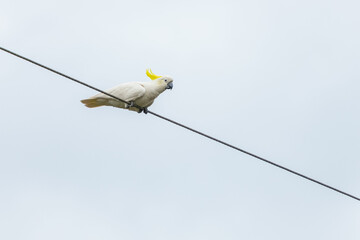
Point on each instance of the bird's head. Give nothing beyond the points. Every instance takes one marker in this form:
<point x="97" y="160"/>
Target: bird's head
<point x="165" y="81"/>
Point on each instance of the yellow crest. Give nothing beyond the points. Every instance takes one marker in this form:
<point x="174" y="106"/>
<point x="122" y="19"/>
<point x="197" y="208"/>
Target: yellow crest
<point x="151" y="75"/>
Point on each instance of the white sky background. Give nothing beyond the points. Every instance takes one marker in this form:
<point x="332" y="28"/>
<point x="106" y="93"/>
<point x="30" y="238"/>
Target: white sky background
<point x="277" y="78"/>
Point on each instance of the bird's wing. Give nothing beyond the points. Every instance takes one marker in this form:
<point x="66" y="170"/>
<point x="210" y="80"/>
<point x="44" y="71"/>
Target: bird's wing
<point x="128" y="91"/>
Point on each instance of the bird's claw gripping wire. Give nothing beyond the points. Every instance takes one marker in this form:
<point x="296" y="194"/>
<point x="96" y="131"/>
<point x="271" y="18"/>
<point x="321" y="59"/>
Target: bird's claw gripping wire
<point x="144" y="109"/>
<point x="131" y="104"/>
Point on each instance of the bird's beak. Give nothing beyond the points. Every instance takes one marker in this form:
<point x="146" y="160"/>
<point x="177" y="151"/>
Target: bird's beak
<point x="169" y="85"/>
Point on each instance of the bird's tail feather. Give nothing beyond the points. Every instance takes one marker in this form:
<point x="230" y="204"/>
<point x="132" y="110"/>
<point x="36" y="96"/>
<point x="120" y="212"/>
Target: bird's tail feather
<point x="92" y="103"/>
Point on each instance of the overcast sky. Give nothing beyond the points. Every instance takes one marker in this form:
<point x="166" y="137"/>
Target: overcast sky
<point x="277" y="78"/>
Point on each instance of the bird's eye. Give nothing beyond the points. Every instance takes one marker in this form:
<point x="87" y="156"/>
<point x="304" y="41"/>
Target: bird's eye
<point x="165" y="80"/>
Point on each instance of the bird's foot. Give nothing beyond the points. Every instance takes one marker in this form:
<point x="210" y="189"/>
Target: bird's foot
<point x="129" y="105"/>
<point x="145" y="110"/>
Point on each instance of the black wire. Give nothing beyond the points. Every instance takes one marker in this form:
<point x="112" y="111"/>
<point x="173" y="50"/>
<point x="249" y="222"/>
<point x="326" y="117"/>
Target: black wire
<point x="188" y="128"/>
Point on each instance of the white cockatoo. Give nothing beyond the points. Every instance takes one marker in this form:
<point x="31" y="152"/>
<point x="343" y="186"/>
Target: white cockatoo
<point x="140" y="94"/>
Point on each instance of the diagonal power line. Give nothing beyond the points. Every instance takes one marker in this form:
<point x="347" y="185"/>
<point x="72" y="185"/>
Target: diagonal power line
<point x="188" y="128"/>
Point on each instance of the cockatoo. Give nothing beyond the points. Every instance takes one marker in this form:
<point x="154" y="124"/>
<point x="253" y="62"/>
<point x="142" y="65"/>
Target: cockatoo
<point x="140" y="94"/>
